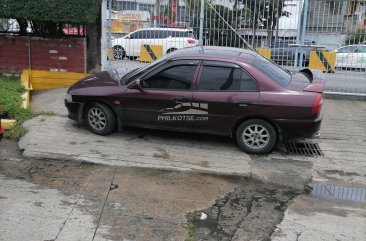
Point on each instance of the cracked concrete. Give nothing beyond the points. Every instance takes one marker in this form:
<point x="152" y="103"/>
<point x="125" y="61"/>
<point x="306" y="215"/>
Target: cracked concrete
<point x="151" y="205"/>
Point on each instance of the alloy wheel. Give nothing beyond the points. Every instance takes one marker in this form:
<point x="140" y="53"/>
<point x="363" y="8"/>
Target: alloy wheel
<point x="256" y="136"/>
<point x="97" y="118"/>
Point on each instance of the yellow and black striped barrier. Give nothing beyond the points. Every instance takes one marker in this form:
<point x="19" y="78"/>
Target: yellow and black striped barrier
<point x="322" y="60"/>
<point x="149" y="53"/>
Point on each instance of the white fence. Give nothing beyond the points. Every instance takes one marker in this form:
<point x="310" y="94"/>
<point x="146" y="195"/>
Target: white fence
<point x="289" y="29"/>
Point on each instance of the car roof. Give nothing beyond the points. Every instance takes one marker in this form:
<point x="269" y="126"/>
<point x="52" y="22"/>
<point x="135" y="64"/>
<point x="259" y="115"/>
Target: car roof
<point x="218" y="53"/>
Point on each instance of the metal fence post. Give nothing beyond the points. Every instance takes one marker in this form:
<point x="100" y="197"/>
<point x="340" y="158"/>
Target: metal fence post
<point x="109" y="42"/>
<point x="298" y="40"/>
<point x="303" y="30"/>
<point x="202" y="18"/>
<point x="103" y="38"/>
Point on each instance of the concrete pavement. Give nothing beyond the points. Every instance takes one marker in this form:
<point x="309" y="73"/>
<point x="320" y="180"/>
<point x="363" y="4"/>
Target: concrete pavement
<point x="309" y="217"/>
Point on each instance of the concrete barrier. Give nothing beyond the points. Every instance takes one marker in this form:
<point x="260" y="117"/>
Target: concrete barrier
<point x="149" y="53"/>
<point x="265" y="53"/>
<point x="324" y="61"/>
<point x="44" y="80"/>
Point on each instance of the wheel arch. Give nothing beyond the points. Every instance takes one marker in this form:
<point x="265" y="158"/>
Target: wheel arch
<point x="108" y="104"/>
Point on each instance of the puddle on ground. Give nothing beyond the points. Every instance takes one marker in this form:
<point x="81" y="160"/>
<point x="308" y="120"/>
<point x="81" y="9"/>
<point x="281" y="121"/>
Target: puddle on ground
<point x="329" y="191"/>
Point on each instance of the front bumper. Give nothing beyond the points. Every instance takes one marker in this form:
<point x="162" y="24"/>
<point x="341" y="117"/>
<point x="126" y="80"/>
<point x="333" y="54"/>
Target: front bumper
<point x="74" y="109"/>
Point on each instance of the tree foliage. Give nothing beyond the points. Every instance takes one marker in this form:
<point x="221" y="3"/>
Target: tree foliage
<point x="356" y="37"/>
<point x="254" y="14"/>
<point x="67" y="11"/>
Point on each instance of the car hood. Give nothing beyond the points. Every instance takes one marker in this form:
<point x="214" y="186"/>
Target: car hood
<point x="104" y="78"/>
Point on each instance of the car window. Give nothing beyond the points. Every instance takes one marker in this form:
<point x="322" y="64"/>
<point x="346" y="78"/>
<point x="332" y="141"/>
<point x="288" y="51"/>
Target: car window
<point x="134" y="35"/>
<point x="347" y="49"/>
<point x="178" y="77"/>
<point x="361" y="49"/>
<point x="144" y="34"/>
<point x="273" y="71"/>
<point x="136" y="73"/>
<point x="181" y="34"/>
<point x="214" y="78"/>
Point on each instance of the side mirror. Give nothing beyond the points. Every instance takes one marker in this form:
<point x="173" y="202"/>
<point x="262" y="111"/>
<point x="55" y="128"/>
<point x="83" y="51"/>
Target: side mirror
<point x="135" y="85"/>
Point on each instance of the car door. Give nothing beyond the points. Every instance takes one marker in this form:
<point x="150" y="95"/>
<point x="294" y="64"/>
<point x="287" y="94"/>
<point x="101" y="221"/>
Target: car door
<point x="357" y="59"/>
<point x="165" y="95"/>
<point x="343" y="59"/>
<point x="227" y="93"/>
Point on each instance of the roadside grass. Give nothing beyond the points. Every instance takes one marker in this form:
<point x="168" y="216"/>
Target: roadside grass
<point x="11" y="92"/>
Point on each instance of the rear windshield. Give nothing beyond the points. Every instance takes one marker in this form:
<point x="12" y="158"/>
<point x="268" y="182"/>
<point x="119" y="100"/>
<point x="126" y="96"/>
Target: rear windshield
<point x="273" y="71"/>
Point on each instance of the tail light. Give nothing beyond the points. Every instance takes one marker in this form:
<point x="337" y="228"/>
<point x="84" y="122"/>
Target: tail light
<point x="191" y="41"/>
<point x="317" y="105"/>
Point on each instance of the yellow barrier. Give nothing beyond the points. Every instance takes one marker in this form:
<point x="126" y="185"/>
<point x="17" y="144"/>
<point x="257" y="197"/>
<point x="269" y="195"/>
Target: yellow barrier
<point x="25" y="81"/>
<point x="265" y="53"/>
<point x="324" y="61"/>
<point x="7" y="124"/>
<point x="109" y="53"/>
<point x="148" y="53"/>
<point x="44" y="80"/>
<point x="41" y="80"/>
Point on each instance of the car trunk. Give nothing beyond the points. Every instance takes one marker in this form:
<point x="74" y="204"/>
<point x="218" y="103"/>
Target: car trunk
<point x="307" y="80"/>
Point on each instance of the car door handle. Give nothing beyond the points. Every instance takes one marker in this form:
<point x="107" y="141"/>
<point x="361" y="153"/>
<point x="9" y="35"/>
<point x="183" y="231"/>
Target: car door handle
<point x="244" y="102"/>
<point x="180" y="98"/>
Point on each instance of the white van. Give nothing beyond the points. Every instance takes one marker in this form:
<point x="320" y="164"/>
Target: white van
<point x="170" y="38"/>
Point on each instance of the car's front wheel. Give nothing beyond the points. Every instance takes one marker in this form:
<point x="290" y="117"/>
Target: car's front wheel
<point x="256" y="136"/>
<point x="100" y="118"/>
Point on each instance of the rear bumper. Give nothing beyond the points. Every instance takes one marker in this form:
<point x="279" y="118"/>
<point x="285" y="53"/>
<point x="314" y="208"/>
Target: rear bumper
<point x="294" y="129"/>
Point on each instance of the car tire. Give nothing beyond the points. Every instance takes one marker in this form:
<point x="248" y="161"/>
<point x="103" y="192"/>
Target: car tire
<point x="100" y="119"/>
<point x="118" y="52"/>
<point x="256" y="136"/>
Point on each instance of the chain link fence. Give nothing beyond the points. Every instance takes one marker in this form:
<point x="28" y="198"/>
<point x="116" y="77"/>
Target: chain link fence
<point x="325" y="35"/>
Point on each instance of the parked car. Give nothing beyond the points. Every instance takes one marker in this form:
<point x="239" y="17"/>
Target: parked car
<point x="169" y="38"/>
<point x="284" y="52"/>
<point x="351" y="56"/>
<point x="215" y="90"/>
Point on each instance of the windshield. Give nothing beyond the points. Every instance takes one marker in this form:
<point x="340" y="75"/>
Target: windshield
<point x="273" y="71"/>
<point x="135" y="73"/>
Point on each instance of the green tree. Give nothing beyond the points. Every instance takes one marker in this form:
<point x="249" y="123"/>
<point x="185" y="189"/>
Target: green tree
<point x="356" y="37"/>
<point x="264" y="12"/>
<point x="254" y="13"/>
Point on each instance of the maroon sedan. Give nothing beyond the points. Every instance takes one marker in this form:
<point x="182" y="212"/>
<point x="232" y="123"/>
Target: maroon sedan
<point x="221" y="91"/>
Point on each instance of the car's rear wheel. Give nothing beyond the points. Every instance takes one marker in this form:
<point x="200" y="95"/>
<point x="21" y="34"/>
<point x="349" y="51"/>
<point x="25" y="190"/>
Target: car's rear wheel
<point x="256" y="136"/>
<point x="118" y="52"/>
<point x="100" y="118"/>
